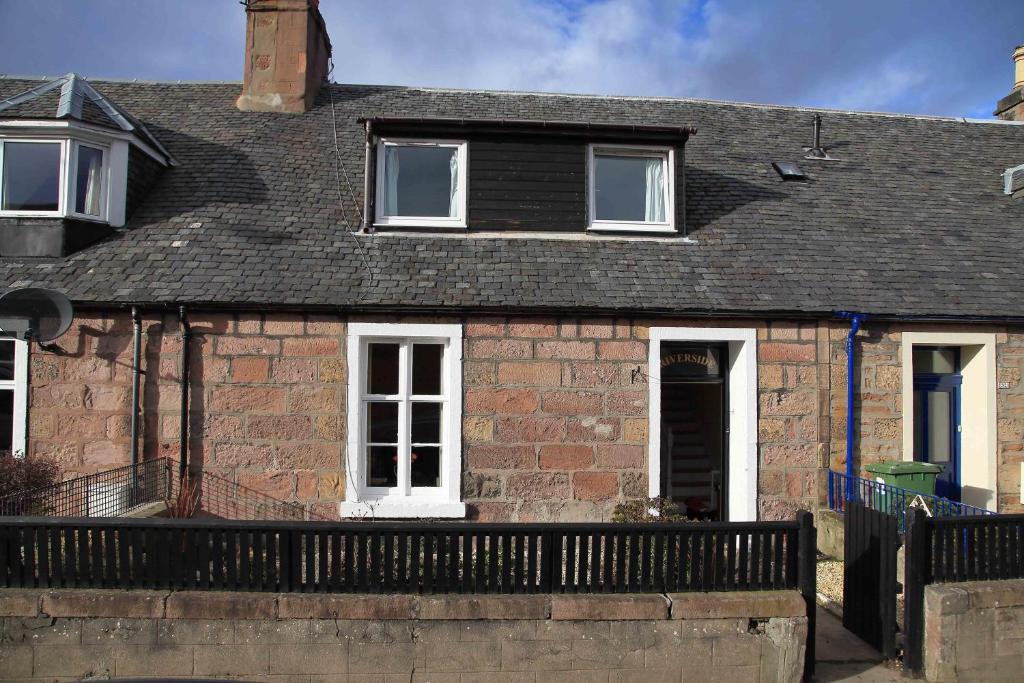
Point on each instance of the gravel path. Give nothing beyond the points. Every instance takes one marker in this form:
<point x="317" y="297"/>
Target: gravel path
<point x="830" y="579"/>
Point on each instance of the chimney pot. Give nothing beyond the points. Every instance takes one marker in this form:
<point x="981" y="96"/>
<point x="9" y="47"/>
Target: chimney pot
<point x="1018" y="61"/>
<point x="286" y="55"/>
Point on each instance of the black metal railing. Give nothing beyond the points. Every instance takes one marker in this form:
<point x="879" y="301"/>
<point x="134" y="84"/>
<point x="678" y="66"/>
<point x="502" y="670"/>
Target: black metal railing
<point x="952" y="550"/>
<point x="375" y="557"/>
<point x="111" y="493"/>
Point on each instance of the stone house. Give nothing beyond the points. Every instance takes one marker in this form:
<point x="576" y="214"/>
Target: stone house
<point x="414" y="302"/>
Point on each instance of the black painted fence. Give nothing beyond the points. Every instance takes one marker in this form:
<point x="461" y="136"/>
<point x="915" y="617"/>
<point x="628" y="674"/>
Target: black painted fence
<point x="953" y="550"/>
<point x="378" y="557"/>
<point x="870" y="542"/>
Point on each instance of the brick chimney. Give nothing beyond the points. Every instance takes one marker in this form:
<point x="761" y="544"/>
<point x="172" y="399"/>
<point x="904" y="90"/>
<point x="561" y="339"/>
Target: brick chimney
<point x="1011" y="107"/>
<point x="286" y="55"/>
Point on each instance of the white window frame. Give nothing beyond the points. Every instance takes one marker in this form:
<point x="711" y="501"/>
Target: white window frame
<point x="72" y="180"/>
<point x="67" y="179"/>
<point x="404" y="501"/>
<point x="18" y="385"/>
<point x="458" y="221"/>
<point x="667" y="153"/>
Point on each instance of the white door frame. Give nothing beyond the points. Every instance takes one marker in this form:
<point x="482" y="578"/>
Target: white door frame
<point x="979" y="476"/>
<point x="742" y="386"/>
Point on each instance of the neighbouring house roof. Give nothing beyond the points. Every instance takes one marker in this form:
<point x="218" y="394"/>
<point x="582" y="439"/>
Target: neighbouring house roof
<point x="911" y="220"/>
<point x="72" y="97"/>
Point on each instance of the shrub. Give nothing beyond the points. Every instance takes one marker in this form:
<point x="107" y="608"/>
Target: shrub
<point x="650" y="510"/>
<point x="20" y="475"/>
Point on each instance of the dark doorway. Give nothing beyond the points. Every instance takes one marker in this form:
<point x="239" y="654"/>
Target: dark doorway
<point x="694" y="428"/>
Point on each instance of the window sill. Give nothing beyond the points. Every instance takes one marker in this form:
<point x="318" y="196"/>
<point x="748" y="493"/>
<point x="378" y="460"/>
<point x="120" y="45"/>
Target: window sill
<point x="402" y="509"/>
<point x="630" y="227"/>
<point x="419" y="223"/>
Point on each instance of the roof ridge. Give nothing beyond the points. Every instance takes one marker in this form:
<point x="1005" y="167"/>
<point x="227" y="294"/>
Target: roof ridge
<point x="538" y="93"/>
<point x="699" y="100"/>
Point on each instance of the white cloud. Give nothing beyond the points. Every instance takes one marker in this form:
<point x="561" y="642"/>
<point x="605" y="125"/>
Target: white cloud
<point x="930" y="56"/>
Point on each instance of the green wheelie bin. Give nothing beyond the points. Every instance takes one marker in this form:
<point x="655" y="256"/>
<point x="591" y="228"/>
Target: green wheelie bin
<point x="910" y="475"/>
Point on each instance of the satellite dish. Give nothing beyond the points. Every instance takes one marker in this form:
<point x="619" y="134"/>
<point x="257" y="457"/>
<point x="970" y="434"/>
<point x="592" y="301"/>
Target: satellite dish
<point x="39" y="314"/>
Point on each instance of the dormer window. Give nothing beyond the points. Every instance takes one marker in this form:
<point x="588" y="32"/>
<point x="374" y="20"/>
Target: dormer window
<point x="631" y="188"/>
<point x="421" y="183"/>
<point x="53" y="178"/>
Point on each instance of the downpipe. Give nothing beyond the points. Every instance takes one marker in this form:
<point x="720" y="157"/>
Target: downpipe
<point x="186" y="337"/>
<point x="136" y="372"/>
<point x="856" y="319"/>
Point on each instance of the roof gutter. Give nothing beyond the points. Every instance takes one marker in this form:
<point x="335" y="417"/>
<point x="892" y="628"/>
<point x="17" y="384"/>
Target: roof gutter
<point x="536" y="126"/>
<point x="244" y="306"/>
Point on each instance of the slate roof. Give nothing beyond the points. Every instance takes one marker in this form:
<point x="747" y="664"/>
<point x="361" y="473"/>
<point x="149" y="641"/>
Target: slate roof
<point x="912" y="220"/>
<point x="72" y="97"/>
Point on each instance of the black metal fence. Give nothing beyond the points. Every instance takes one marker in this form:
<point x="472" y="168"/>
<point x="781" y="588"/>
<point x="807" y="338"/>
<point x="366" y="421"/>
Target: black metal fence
<point x="111" y="493"/>
<point x="376" y="557"/>
<point x="950" y="550"/>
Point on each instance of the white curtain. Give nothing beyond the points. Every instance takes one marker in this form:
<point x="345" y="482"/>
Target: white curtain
<point x="453" y="167"/>
<point x="93" y="181"/>
<point x="654" y="199"/>
<point x="391" y="181"/>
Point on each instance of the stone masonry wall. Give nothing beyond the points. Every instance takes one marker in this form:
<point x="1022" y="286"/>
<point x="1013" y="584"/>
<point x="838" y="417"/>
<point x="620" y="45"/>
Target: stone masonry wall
<point x="974" y="631"/>
<point x="555" y="409"/>
<point x="555" y="420"/>
<point x="1010" y="418"/>
<point x="878" y="399"/>
<point x="267" y="399"/>
<point x="69" y="634"/>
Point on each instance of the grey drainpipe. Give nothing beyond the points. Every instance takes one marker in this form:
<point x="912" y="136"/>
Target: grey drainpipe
<point x="136" y="371"/>
<point x="186" y="336"/>
<point x="367" y="178"/>
<point x="855" y="322"/>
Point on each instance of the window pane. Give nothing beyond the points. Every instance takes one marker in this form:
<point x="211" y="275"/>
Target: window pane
<point x="382" y="422"/>
<point x="6" y="360"/>
<point x="426" y="466"/>
<point x="629" y="188"/>
<point x="382" y="369"/>
<point x="6" y="420"/>
<point x="88" y="180"/>
<point x="420" y="181"/>
<point x="426" y="423"/>
<point x="938" y="426"/>
<point x="426" y="369"/>
<point x="31" y="176"/>
<point x="935" y="361"/>
<point x="383" y="465"/>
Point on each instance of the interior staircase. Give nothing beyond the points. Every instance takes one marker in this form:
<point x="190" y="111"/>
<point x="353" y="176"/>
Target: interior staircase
<point x="690" y="458"/>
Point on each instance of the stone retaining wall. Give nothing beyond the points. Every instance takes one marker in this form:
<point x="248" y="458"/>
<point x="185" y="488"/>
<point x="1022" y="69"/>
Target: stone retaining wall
<point x="974" y="631"/>
<point x="70" y="634"/>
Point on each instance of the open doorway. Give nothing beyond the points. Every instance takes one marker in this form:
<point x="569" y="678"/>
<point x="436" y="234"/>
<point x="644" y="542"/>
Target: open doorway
<point x="694" y="428"/>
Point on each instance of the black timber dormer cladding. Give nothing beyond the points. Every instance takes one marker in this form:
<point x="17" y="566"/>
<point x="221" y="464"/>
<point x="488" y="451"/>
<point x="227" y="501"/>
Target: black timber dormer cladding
<point x="523" y="175"/>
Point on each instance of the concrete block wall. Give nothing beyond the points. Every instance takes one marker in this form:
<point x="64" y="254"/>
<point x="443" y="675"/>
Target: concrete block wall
<point x="974" y="631"/>
<point x="72" y="634"/>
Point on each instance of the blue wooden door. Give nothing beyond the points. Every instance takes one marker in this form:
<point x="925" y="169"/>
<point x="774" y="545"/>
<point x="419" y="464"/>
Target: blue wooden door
<point x="937" y="429"/>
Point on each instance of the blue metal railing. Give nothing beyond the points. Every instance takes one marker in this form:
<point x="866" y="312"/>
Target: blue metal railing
<point x="891" y="500"/>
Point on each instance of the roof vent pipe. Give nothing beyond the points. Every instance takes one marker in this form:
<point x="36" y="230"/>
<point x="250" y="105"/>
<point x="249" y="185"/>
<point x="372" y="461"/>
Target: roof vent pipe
<point x="816" y="151"/>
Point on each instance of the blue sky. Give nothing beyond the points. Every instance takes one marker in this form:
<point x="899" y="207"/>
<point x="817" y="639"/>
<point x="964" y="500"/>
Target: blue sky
<point x="949" y="57"/>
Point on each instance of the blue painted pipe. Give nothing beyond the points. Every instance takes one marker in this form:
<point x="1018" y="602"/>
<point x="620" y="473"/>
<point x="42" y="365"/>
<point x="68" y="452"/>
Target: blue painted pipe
<point x="855" y="321"/>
